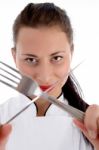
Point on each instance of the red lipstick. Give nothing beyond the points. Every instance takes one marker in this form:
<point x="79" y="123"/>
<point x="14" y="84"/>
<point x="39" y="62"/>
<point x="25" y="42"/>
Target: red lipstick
<point x="44" y="87"/>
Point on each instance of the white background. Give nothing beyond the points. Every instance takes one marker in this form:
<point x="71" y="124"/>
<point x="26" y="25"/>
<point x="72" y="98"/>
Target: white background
<point x="84" y="15"/>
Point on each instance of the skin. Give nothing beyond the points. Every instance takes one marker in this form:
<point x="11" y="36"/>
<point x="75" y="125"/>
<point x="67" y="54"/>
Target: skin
<point x="45" y="55"/>
<point x="90" y="127"/>
<point x="5" y="131"/>
<point x="40" y="55"/>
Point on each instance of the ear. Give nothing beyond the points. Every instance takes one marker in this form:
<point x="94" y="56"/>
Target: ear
<point x="13" y="50"/>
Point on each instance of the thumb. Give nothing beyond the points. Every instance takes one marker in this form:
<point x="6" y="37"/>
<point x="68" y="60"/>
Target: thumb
<point x="5" y="131"/>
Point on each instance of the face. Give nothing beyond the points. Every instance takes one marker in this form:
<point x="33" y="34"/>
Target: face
<point x="44" y="54"/>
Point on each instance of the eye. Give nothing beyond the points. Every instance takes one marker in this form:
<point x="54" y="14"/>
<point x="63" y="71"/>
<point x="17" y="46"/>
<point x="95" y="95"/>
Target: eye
<point x="57" y="58"/>
<point x="31" y="60"/>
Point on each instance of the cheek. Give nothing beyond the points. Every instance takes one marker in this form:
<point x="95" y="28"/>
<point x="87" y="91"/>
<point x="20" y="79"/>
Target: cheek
<point x="63" y="73"/>
<point x="64" y="70"/>
<point x="23" y="69"/>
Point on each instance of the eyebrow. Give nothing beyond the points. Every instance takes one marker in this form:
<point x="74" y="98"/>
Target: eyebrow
<point x="58" y="52"/>
<point x="32" y="55"/>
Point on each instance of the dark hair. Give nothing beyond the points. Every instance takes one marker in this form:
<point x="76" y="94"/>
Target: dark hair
<point x="47" y="14"/>
<point x="73" y="93"/>
<point x="43" y="14"/>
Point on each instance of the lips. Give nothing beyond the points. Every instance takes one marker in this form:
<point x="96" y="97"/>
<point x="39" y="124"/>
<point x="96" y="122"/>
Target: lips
<point x="44" y="87"/>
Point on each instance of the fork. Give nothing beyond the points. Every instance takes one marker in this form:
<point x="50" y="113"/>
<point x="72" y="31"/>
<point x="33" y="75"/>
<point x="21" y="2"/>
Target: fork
<point x="30" y="88"/>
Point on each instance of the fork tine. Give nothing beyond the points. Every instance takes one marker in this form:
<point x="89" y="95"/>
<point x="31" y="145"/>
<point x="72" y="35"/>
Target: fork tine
<point x="8" y="78"/>
<point x="9" y="73"/>
<point x="9" y="67"/>
<point x="13" y="87"/>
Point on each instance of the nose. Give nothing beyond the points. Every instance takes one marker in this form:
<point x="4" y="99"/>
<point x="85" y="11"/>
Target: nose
<point x="45" y="73"/>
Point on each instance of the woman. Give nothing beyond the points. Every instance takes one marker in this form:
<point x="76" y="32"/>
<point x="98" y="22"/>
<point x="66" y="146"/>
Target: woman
<point x="43" y="50"/>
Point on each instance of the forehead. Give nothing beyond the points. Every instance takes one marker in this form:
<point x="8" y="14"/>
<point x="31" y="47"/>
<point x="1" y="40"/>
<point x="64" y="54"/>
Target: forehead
<point x="42" y="38"/>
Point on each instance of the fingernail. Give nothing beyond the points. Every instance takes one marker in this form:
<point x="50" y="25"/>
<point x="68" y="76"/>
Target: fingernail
<point x="92" y="134"/>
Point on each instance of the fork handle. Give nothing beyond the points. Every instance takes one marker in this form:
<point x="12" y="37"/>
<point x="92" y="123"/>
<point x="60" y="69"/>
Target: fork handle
<point x="73" y="111"/>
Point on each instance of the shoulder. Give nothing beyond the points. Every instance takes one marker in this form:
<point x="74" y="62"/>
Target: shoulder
<point x="12" y="106"/>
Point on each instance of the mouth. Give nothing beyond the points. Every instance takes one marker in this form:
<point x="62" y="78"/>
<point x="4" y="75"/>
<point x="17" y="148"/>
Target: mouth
<point x="44" y="87"/>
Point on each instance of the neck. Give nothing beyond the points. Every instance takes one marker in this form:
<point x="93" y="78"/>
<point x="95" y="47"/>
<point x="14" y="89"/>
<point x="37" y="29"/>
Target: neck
<point x="42" y="106"/>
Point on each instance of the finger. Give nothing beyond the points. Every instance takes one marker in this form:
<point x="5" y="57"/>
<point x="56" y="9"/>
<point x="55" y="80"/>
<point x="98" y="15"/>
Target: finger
<point x="5" y="131"/>
<point x="79" y="125"/>
<point x="91" y="119"/>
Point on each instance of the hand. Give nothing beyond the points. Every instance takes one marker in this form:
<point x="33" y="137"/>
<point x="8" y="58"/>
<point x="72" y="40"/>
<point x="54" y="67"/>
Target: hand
<point x="90" y="127"/>
<point x="5" y="131"/>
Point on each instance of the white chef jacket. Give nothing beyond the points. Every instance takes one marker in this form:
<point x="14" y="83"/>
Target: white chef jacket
<point x="54" y="131"/>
